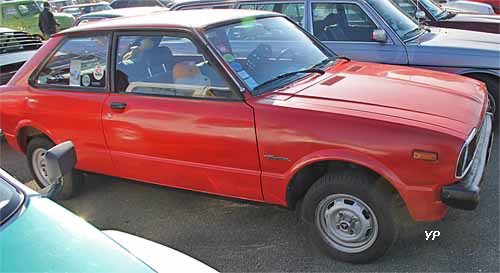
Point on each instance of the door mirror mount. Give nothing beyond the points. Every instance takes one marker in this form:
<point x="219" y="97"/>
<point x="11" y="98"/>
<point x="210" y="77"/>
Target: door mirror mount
<point x="420" y="15"/>
<point x="379" y="35"/>
<point x="60" y="160"/>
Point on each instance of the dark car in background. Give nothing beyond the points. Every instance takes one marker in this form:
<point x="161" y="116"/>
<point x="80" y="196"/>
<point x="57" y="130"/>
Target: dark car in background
<point x="79" y="10"/>
<point x="16" y="47"/>
<point x="430" y="13"/>
<point x="114" y="13"/>
<point x="119" y="4"/>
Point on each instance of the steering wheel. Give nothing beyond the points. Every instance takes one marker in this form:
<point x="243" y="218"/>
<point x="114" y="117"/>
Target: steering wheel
<point x="260" y="54"/>
<point x="286" y="52"/>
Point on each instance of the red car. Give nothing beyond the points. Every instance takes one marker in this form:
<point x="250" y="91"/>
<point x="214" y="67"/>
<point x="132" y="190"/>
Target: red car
<point x="246" y="104"/>
<point x="494" y="3"/>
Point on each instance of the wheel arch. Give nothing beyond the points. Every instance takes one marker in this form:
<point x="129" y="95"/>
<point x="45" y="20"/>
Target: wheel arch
<point x="305" y="173"/>
<point x="27" y="130"/>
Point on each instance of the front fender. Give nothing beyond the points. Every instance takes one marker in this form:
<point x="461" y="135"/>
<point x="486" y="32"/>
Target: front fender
<point x="422" y="202"/>
<point x="30" y="123"/>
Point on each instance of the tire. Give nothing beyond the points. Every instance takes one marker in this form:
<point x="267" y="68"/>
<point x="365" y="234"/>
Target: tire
<point x="72" y="182"/>
<point x="354" y="201"/>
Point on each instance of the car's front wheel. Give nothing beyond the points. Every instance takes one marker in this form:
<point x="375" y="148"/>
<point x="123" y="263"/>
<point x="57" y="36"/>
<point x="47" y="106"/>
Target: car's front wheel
<point x="351" y="217"/>
<point x="35" y="153"/>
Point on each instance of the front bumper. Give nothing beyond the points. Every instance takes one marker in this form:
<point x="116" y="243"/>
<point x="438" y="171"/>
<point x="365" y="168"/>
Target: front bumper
<point x="465" y="194"/>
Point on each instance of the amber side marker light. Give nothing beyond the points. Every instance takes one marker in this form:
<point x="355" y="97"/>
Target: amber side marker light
<point x="424" y="155"/>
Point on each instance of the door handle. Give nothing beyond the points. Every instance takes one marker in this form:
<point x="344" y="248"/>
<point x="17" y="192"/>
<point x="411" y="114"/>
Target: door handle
<point x="117" y="105"/>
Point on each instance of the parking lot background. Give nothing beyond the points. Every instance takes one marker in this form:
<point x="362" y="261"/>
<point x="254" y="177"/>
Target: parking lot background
<point x="236" y="236"/>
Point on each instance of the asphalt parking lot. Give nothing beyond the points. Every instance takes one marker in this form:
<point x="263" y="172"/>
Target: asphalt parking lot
<point x="241" y="237"/>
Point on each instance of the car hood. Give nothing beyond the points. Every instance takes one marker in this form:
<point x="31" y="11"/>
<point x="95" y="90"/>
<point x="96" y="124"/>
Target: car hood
<point x="475" y="18"/>
<point x="159" y="257"/>
<point x="16" y="57"/>
<point x="52" y="239"/>
<point x="439" y="99"/>
<point x="455" y="48"/>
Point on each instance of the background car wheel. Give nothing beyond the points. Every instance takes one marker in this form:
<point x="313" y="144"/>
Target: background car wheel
<point x="351" y="217"/>
<point x="35" y="153"/>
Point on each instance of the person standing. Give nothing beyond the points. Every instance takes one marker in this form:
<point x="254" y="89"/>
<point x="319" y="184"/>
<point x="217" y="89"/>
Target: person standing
<point x="46" y="22"/>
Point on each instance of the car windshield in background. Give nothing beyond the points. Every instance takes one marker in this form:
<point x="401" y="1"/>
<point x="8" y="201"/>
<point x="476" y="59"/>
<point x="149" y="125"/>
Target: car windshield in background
<point x="262" y="51"/>
<point x="405" y="27"/>
<point x="77" y="11"/>
<point x="436" y="11"/>
<point x="10" y="200"/>
<point x="30" y="8"/>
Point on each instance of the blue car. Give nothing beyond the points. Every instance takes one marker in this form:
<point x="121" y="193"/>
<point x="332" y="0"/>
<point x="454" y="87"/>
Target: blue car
<point x="37" y="235"/>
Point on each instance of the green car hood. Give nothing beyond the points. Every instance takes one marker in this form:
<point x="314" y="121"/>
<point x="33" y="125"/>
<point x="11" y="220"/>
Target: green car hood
<point x="45" y="237"/>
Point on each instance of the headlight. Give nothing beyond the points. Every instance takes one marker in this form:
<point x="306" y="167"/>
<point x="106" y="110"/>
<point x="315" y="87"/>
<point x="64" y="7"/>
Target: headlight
<point x="467" y="154"/>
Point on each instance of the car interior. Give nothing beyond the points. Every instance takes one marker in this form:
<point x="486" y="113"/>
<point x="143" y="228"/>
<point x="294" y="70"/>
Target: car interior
<point x="342" y="22"/>
<point x="167" y="66"/>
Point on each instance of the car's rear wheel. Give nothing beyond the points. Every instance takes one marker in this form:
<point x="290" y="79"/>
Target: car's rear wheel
<point x="350" y="217"/>
<point x="35" y="153"/>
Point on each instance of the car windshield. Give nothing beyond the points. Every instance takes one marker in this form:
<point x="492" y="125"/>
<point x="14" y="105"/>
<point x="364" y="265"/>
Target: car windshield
<point x="434" y="9"/>
<point x="268" y="53"/>
<point x="10" y="200"/>
<point x="404" y="26"/>
<point x="30" y="8"/>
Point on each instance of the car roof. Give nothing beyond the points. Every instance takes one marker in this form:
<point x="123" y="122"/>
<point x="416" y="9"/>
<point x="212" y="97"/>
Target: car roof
<point x="220" y="2"/>
<point x="123" y="12"/>
<point x="172" y="19"/>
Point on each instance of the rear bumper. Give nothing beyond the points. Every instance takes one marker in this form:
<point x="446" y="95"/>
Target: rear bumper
<point x="465" y="194"/>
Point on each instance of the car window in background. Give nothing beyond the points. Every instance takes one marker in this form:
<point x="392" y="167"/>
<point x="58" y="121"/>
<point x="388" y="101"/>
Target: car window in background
<point x="29" y="9"/>
<point x="408" y="6"/>
<point x="434" y="9"/>
<point x="79" y="62"/>
<point x="167" y="66"/>
<point x="341" y="22"/>
<point x="119" y="4"/>
<point x="404" y="26"/>
<point x="256" y="56"/>
<point x="10" y="200"/>
<point x="9" y="12"/>
<point x="143" y="3"/>
<point x="293" y="10"/>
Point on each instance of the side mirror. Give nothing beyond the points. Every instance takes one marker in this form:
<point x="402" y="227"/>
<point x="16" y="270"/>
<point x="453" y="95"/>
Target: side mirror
<point x="420" y="15"/>
<point x="60" y="160"/>
<point x="379" y="35"/>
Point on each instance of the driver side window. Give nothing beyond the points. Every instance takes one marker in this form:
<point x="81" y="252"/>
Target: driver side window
<point x="162" y="65"/>
<point x="341" y="22"/>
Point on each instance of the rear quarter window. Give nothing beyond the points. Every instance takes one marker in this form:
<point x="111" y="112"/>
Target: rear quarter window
<point x="79" y="62"/>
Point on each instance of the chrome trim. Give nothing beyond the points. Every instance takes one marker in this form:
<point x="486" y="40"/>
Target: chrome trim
<point x="465" y="168"/>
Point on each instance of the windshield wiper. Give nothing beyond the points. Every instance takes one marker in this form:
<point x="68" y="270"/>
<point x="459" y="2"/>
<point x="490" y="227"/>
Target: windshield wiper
<point x="411" y="31"/>
<point x="288" y="74"/>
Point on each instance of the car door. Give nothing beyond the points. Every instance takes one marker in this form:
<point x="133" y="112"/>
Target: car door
<point x="66" y="97"/>
<point x="175" y="120"/>
<point x="346" y="27"/>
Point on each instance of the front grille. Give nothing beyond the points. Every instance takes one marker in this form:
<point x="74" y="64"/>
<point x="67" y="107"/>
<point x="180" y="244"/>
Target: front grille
<point x="18" y="41"/>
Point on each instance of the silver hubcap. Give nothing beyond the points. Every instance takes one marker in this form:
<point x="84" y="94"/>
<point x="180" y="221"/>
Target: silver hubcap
<point x="40" y="166"/>
<point x="347" y="223"/>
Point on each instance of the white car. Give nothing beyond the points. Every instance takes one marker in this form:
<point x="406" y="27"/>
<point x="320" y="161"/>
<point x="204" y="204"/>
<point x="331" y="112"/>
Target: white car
<point x="467" y="6"/>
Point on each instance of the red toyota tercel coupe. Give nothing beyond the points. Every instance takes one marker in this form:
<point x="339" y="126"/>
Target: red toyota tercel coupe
<point x="248" y="105"/>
